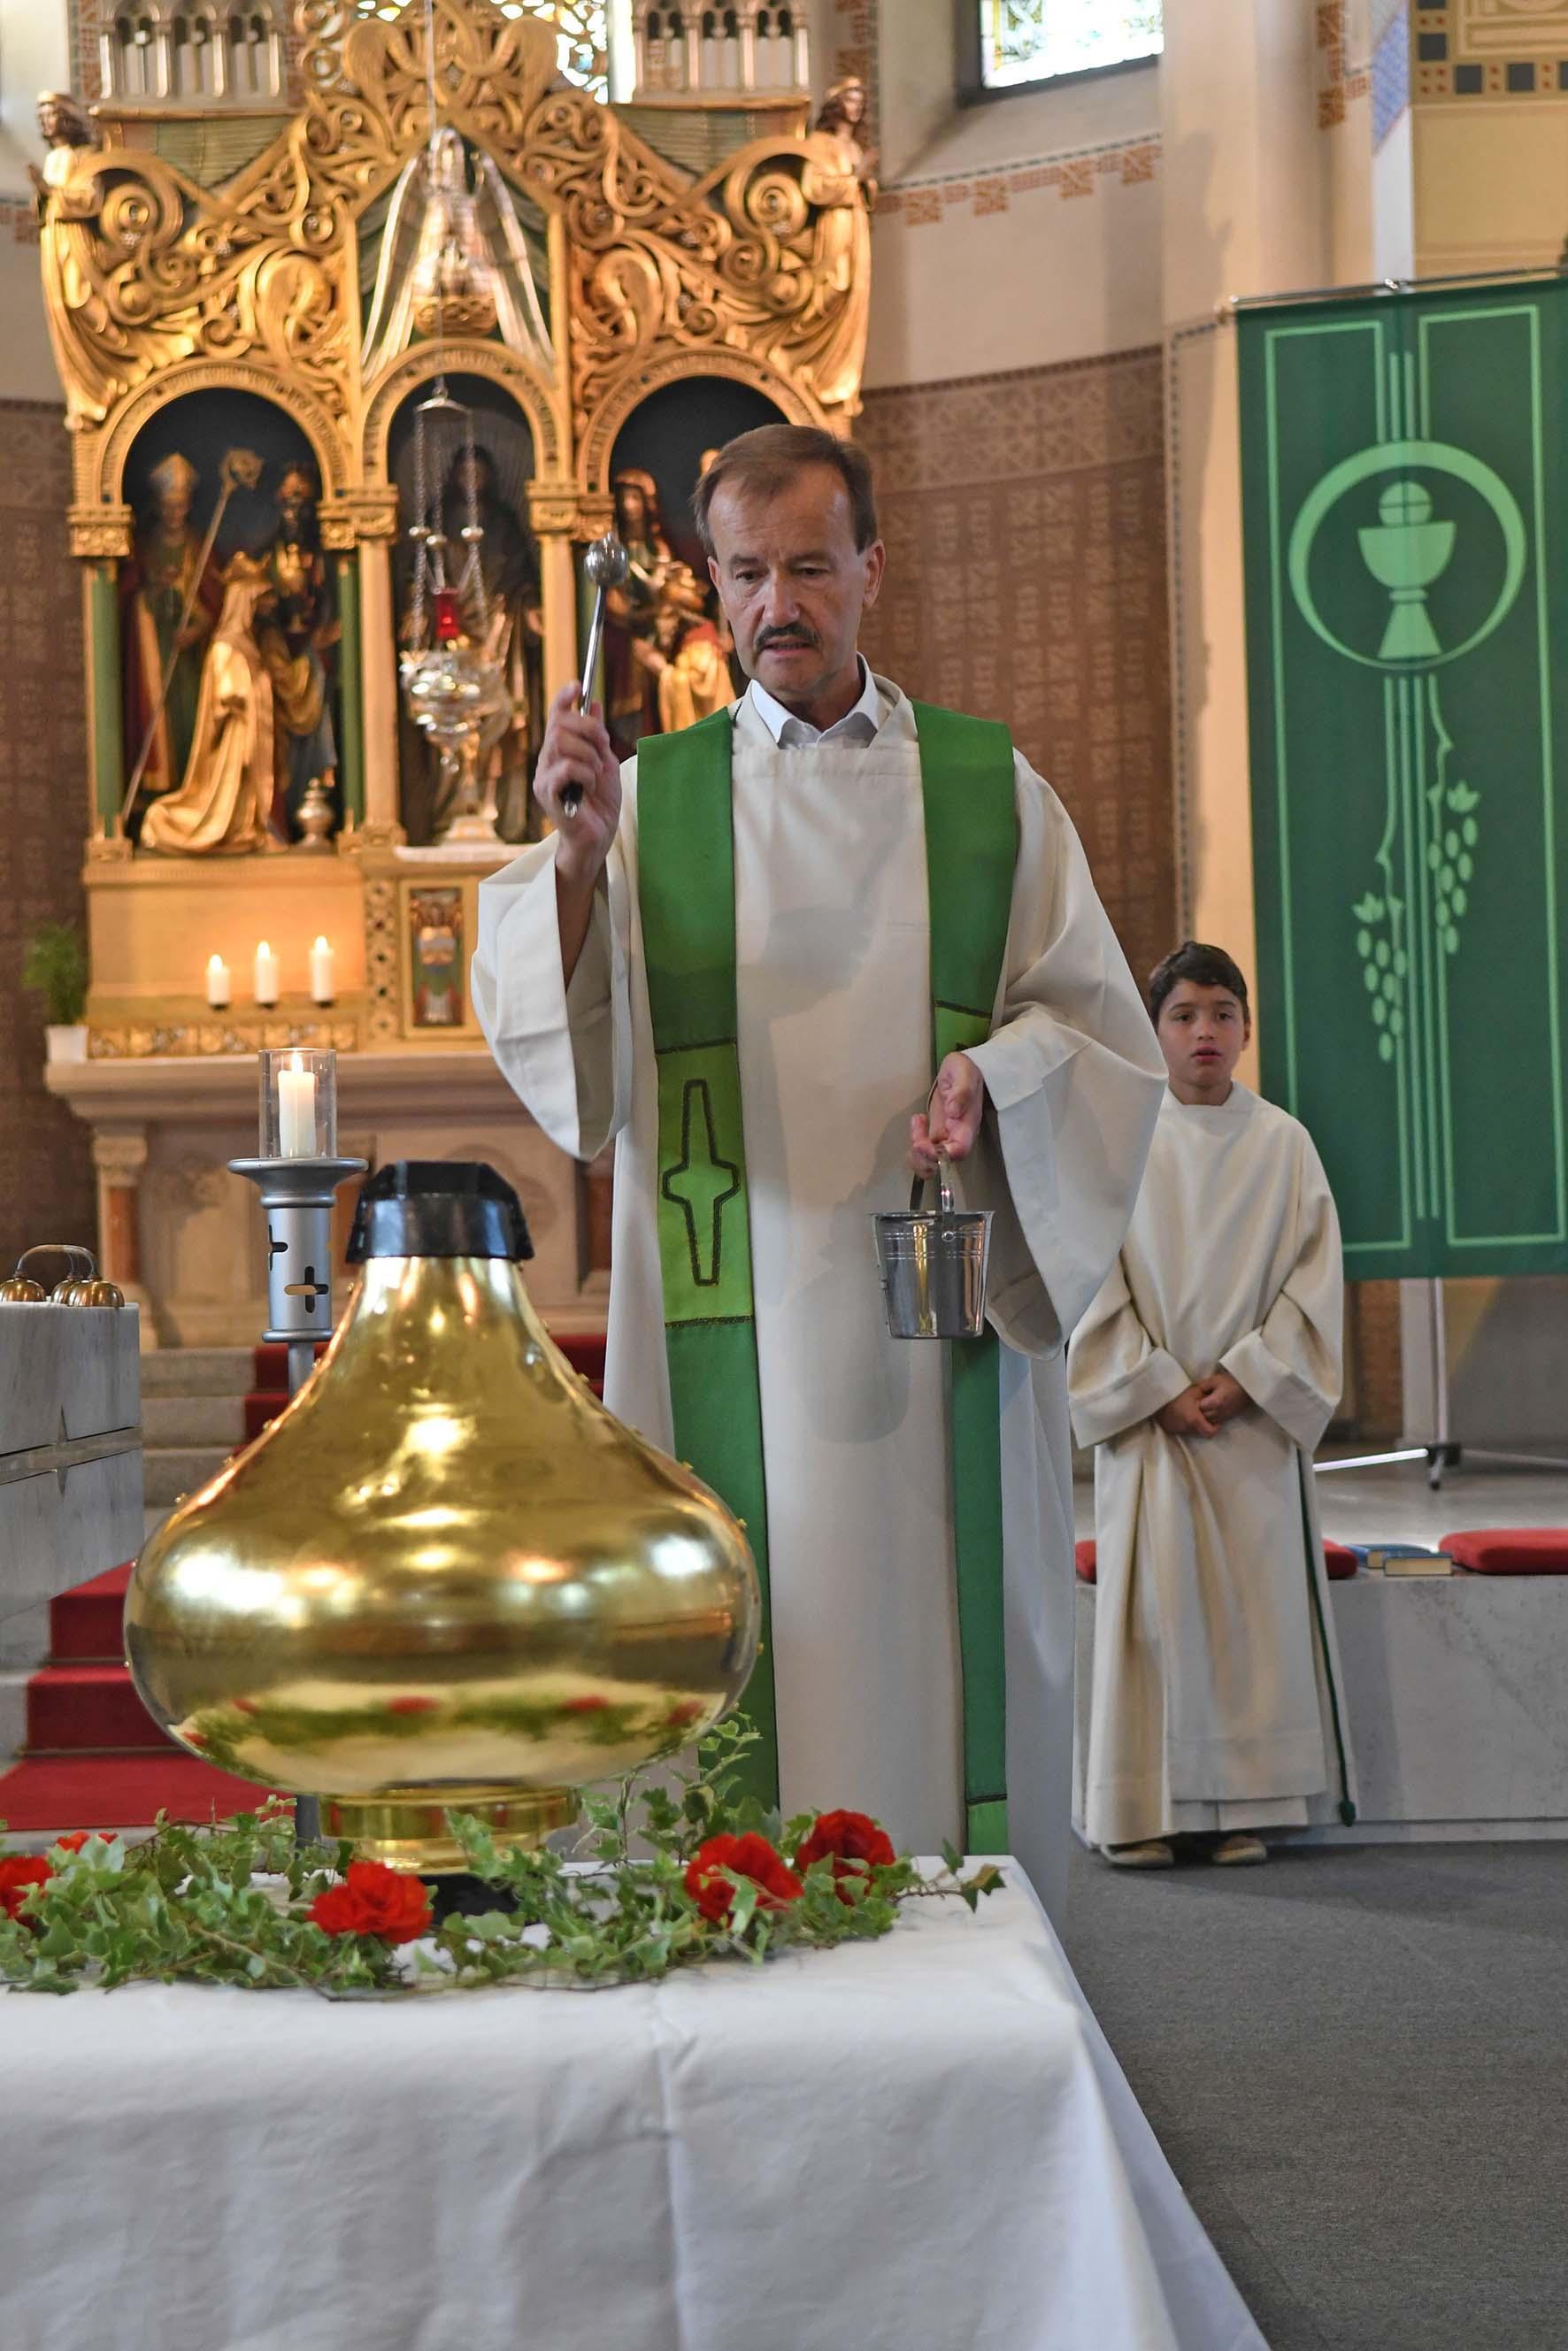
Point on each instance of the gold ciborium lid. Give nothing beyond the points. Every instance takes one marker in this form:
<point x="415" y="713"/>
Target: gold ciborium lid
<point x="445" y="1576"/>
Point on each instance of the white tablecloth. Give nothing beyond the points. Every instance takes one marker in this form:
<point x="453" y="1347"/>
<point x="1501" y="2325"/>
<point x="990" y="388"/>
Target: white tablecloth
<point x="919" y="2145"/>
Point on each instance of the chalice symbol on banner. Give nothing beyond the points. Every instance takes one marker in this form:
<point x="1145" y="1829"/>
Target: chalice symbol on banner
<point x="1406" y="551"/>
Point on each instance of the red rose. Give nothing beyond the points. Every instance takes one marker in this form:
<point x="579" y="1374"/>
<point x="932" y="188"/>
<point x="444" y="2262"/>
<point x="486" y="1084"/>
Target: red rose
<point x="845" y="1838"/>
<point x="684" y="1710"/>
<point x="748" y="1856"/>
<point x="589" y="1704"/>
<point x="18" y="1873"/>
<point x="78" y="1837"/>
<point x="375" y="1900"/>
<point x="410" y="1705"/>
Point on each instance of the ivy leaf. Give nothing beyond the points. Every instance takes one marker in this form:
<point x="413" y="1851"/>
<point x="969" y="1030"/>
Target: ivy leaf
<point x="1369" y="910"/>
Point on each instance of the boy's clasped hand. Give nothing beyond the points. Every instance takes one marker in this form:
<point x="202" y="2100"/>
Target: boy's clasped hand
<point x="1203" y="1409"/>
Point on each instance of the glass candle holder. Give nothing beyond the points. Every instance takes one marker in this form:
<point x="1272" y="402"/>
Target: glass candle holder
<point x="299" y="1104"/>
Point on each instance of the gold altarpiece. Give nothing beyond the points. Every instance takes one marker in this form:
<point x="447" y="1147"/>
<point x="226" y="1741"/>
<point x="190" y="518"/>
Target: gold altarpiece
<point x="165" y="285"/>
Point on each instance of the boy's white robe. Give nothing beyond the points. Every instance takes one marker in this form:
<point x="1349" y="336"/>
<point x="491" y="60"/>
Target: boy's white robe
<point x="1213" y="1635"/>
<point x="832" y="953"/>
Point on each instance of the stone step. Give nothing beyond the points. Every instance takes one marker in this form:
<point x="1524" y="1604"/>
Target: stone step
<point x="192" y="1420"/>
<point x="13" y="1712"/>
<point x="198" y="1371"/>
<point x="170" y="1472"/>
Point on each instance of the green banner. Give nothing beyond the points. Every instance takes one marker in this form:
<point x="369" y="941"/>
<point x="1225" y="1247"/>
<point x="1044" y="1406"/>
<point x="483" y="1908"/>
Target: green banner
<point x="1403" y="495"/>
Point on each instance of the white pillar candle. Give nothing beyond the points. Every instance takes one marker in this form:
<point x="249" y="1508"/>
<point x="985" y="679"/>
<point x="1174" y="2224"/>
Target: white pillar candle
<point x="297" y="1111"/>
<point x="218" y="983"/>
<point x="266" y="975"/>
<point x="322" y="986"/>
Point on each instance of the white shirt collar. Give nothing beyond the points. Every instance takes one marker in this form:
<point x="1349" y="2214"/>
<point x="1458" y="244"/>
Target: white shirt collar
<point x="792" y="734"/>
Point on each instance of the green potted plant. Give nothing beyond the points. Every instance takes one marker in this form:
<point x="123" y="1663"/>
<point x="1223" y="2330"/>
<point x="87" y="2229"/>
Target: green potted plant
<point x="54" y="966"/>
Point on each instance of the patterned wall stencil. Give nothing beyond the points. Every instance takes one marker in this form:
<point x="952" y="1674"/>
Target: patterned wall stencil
<point x="1489" y="48"/>
<point x="1024" y="522"/>
<point x="46" y="1189"/>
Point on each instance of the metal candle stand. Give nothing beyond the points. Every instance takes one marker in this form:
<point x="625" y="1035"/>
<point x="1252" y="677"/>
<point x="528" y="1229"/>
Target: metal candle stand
<point x="297" y="1194"/>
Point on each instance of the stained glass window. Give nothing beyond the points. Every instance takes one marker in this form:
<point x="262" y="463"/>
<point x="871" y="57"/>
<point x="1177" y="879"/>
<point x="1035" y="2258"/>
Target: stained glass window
<point x="582" y="28"/>
<point x="1032" y="40"/>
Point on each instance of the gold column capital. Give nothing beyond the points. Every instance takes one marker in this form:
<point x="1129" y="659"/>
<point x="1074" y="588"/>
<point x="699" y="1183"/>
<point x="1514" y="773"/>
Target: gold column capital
<point x="119" y="1154"/>
<point x="100" y="534"/>
<point x="356" y="516"/>
<point x="555" y="507"/>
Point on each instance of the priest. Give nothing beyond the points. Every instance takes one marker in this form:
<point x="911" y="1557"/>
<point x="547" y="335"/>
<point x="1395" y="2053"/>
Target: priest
<point x="1205" y="1373"/>
<point x="746" y="955"/>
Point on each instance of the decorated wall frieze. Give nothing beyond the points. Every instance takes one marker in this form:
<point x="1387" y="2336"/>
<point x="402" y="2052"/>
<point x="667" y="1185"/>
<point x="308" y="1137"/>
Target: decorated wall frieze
<point x="138" y="1040"/>
<point x="1077" y="171"/>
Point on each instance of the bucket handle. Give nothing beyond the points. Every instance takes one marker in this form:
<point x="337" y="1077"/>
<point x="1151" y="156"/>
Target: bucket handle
<point x="943" y="1172"/>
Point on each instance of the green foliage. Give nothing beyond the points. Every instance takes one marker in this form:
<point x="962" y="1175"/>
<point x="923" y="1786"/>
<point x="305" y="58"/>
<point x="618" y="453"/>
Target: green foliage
<point x="54" y="966"/>
<point x="229" y="1904"/>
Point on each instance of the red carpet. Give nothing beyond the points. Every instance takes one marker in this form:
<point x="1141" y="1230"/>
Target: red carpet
<point x="94" y="1758"/>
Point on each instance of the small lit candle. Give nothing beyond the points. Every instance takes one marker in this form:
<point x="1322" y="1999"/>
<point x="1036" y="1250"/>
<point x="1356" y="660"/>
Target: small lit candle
<point x="218" y="983"/>
<point x="266" y="975"/>
<point x="322" y="987"/>
<point x="297" y="1111"/>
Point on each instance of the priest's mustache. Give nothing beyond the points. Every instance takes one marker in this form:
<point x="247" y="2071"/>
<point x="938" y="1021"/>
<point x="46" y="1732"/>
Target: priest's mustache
<point x="785" y="637"/>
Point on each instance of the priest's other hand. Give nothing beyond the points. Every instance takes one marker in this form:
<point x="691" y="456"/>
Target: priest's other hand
<point x="1185" y="1416"/>
<point x="949" y="1124"/>
<point x="575" y="751"/>
<point x="1223" y="1397"/>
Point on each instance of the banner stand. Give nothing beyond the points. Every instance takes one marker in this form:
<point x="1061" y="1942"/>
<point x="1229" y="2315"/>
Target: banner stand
<point x="1445" y="1451"/>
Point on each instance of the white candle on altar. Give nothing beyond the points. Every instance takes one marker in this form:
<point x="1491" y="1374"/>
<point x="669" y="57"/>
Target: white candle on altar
<point x="322" y="986"/>
<point x="218" y="983"/>
<point x="266" y="975"/>
<point x="297" y="1111"/>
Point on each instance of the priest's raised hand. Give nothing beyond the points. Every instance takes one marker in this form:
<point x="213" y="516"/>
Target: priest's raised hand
<point x="575" y="751"/>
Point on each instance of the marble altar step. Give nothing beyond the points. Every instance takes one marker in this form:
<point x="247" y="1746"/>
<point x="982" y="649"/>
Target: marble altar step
<point x="197" y="1371"/>
<point x="192" y="1420"/>
<point x="172" y="1471"/>
<point x="194" y="1413"/>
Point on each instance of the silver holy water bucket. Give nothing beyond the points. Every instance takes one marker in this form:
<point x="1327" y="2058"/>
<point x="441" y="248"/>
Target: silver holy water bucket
<point x="932" y="1265"/>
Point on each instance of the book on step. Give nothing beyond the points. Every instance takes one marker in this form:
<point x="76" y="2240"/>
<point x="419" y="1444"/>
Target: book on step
<point x="1401" y="1559"/>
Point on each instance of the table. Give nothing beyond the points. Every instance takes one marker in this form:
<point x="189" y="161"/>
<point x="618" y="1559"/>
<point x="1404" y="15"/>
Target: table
<point x="922" y="2144"/>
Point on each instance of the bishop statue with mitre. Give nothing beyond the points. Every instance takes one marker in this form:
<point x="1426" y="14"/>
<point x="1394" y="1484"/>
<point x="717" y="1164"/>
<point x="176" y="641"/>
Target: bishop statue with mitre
<point x="745" y="955"/>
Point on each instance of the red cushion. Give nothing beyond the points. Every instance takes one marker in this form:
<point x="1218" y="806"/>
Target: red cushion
<point x="1084" y="1560"/>
<point x="1511" y="1550"/>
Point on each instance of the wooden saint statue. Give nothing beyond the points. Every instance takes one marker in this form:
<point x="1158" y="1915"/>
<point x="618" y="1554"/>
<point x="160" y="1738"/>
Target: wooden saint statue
<point x="224" y="803"/>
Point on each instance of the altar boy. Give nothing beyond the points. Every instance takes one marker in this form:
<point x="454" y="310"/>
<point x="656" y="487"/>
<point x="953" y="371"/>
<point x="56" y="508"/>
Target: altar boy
<point x="1205" y="1373"/>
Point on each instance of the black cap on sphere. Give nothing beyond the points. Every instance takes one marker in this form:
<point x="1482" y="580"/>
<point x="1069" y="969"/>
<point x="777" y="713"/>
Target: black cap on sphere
<point x="438" y="1208"/>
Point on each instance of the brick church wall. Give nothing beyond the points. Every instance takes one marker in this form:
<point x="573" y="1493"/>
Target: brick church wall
<point x="47" y="1190"/>
<point x="1024" y="515"/>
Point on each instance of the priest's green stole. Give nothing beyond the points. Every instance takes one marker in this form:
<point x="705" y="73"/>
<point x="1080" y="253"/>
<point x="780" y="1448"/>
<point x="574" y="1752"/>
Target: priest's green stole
<point x="686" y="849"/>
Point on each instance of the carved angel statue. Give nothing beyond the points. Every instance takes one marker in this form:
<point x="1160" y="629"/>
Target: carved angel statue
<point x="834" y="344"/>
<point x="455" y="258"/>
<point x="94" y="350"/>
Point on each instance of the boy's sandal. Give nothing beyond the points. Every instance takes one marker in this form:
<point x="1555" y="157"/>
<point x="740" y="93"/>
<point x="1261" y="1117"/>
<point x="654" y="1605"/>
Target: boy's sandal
<point x="1153" y="1853"/>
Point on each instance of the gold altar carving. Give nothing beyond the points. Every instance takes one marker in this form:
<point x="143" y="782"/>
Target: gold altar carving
<point x="191" y="314"/>
<point x="156" y="286"/>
